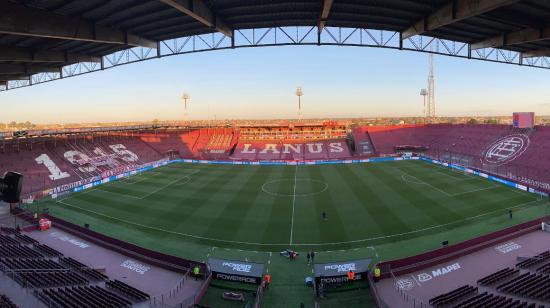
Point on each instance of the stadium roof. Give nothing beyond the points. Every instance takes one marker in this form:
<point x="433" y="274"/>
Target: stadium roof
<point x="42" y="40"/>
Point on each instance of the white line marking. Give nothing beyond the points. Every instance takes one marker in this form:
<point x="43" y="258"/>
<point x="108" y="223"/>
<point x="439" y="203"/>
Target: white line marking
<point x="294" y="195"/>
<point x="142" y="175"/>
<point x="117" y="193"/>
<point x="154" y="191"/>
<point x="169" y="184"/>
<point x="293" y="203"/>
<point x="456" y="178"/>
<point x="286" y="244"/>
<point x="421" y="182"/>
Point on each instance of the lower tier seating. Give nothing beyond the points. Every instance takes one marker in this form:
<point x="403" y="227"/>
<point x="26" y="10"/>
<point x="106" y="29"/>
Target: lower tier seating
<point x="127" y="290"/>
<point x="5" y="302"/>
<point x="83" y="296"/>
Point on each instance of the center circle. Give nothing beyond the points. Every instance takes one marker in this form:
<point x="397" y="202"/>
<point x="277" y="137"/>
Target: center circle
<point x="294" y="187"/>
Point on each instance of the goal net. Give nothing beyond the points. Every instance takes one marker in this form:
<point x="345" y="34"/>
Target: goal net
<point x="545" y="226"/>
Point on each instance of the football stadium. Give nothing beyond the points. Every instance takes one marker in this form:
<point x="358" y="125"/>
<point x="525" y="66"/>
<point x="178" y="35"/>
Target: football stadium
<point x="421" y="211"/>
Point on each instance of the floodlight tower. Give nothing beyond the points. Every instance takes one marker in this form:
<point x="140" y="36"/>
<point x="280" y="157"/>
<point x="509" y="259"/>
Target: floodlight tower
<point x="185" y="97"/>
<point x="424" y="93"/>
<point x="299" y="93"/>
<point x="431" y="89"/>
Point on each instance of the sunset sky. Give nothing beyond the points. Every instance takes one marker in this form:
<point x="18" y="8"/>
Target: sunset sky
<point x="259" y="83"/>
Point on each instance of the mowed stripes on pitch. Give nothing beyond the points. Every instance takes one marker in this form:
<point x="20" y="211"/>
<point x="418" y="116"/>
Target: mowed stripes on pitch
<point x="225" y="204"/>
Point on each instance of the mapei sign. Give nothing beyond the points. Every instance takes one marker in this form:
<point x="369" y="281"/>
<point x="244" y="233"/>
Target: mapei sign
<point x="505" y="149"/>
<point x="438" y="272"/>
<point x="295" y="148"/>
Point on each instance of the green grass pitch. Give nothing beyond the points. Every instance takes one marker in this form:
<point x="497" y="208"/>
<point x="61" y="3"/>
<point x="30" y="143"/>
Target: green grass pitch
<point x="381" y="210"/>
<point x="273" y="207"/>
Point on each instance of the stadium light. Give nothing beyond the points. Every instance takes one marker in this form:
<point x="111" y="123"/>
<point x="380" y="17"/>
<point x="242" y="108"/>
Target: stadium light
<point x="299" y="93"/>
<point x="424" y="93"/>
<point x="185" y="97"/>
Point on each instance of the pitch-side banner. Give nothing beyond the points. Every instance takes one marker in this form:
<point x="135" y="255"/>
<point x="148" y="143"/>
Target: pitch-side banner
<point x="237" y="271"/>
<point x="338" y="272"/>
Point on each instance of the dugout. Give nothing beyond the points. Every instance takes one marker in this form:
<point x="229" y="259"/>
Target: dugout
<point x="236" y="271"/>
<point x="336" y="273"/>
<point x="234" y="284"/>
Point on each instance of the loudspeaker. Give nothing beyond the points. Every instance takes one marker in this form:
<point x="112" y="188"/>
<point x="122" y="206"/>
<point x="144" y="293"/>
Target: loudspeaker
<point x="10" y="187"/>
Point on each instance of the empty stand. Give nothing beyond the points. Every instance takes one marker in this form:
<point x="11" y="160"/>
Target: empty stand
<point x="528" y="285"/>
<point x="56" y="161"/>
<point x="453" y="296"/>
<point x="5" y="302"/>
<point x="497" y="277"/>
<point x="127" y="290"/>
<point x="536" y="260"/>
<point x="59" y="281"/>
<point x="83" y="269"/>
<point x="39" y="279"/>
<point x="83" y="296"/>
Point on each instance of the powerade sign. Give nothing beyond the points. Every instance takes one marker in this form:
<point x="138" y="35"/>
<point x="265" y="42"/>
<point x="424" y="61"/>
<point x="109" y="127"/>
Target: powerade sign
<point x="236" y="278"/>
<point x="340" y="279"/>
<point x="237" y="271"/>
<point x="341" y="268"/>
<point x="338" y="272"/>
<point x="238" y="267"/>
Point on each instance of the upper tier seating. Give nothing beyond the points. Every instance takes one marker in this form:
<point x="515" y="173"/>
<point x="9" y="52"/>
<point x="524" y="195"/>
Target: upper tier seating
<point x="58" y="162"/>
<point x="292" y="150"/>
<point x="166" y="141"/>
<point x="362" y="140"/>
<point x="466" y="145"/>
<point x="53" y="162"/>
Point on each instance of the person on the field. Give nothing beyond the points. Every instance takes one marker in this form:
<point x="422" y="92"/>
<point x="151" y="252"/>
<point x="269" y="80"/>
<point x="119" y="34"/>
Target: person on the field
<point x="267" y="279"/>
<point x="308" y="257"/>
<point x="293" y="255"/>
<point x="312" y="254"/>
<point x="510" y="214"/>
<point x="324" y="215"/>
<point x="376" y="274"/>
<point x="351" y="276"/>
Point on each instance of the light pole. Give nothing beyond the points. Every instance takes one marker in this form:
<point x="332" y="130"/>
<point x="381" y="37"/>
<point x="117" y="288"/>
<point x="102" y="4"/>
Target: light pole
<point x="185" y="97"/>
<point x="299" y="93"/>
<point x="424" y="93"/>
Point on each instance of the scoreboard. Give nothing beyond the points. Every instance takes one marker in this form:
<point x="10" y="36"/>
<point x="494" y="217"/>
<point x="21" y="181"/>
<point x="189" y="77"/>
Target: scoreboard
<point x="524" y="119"/>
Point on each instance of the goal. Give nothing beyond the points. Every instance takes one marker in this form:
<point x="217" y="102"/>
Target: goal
<point x="545" y="226"/>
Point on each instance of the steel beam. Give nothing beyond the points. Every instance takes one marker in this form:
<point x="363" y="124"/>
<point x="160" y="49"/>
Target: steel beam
<point x="327" y="5"/>
<point x="513" y="38"/>
<point x="453" y="11"/>
<point x="21" y="20"/>
<point x="199" y="11"/>
<point x="537" y="53"/>
<point x="23" y="69"/>
<point x="20" y="54"/>
<point x="13" y="77"/>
